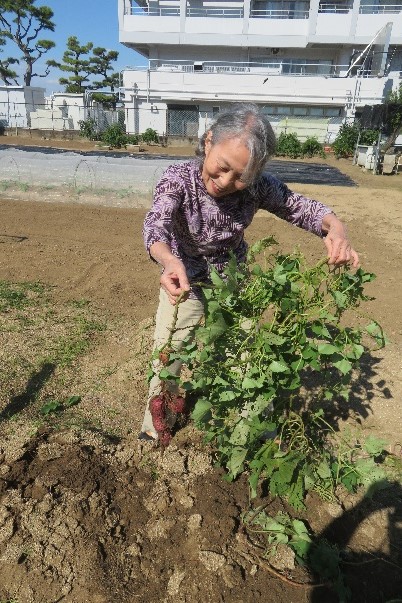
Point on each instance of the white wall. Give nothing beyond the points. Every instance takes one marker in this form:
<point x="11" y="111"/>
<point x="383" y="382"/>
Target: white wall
<point x="198" y="87"/>
<point x="72" y="106"/>
<point x="143" y="115"/>
<point x="17" y="103"/>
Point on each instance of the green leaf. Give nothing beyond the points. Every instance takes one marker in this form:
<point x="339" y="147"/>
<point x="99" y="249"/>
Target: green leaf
<point x="278" y="367"/>
<point x="260" y="246"/>
<point x="356" y="351"/>
<point x="72" y="401"/>
<point x="301" y="546"/>
<point x="166" y="374"/>
<point x="51" y="407"/>
<point x="273" y="338"/>
<point x="295" y="494"/>
<point x="201" y="410"/>
<point x="373" y="328"/>
<point x="257" y="270"/>
<point x="327" y="349"/>
<point x="340" y="299"/>
<point x="239" y="434"/>
<point x="216" y="279"/>
<point x="321" y="330"/>
<point x="369" y="472"/>
<point x="255" y="477"/>
<point x="309" y="352"/>
<point x="210" y="333"/>
<point x="271" y="525"/>
<point x="324" y="470"/>
<point x="235" y="462"/>
<point x="349" y="480"/>
<point x="227" y="395"/>
<point x="299" y="527"/>
<point x="249" y="383"/>
<point x="374" y="446"/>
<point x="343" y="365"/>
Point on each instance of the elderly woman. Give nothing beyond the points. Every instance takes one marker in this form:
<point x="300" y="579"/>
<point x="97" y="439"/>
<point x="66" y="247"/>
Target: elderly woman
<point x="200" y="211"/>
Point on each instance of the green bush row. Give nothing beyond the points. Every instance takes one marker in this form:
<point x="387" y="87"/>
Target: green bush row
<point x="289" y="145"/>
<point x="114" y="135"/>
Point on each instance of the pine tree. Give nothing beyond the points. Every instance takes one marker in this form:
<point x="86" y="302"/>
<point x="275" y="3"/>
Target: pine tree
<point x="8" y="76"/>
<point x="73" y="62"/>
<point x="21" y="22"/>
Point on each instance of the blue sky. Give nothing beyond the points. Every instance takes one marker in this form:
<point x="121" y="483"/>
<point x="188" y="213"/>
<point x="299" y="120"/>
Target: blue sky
<point x="90" y="21"/>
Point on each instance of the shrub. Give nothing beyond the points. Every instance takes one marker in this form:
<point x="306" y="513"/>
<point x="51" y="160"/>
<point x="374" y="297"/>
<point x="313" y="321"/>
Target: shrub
<point x="311" y="148"/>
<point x="369" y="137"/>
<point x="150" y="135"/>
<point x="133" y="138"/>
<point x="348" y="135"/>
<point x="288" y="145"/>
<point x="345" y="143"/>
<point x="89" y="129"/>
<point x="114" y="136"/>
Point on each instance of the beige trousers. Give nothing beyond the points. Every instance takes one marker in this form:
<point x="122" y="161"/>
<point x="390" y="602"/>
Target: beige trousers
<point x="188" y="316"/>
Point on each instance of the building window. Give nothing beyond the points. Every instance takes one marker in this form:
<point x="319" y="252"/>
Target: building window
<point x="317" y="111"/>
<point x="301" y="111"/>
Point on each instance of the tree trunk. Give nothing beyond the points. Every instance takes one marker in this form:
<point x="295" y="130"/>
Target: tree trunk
<point x="28" y="70"/>
<point x="391" y="138"/>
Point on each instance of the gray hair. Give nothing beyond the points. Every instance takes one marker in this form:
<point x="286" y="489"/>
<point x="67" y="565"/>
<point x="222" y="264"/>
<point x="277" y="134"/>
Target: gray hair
<point x="246" y="122"/>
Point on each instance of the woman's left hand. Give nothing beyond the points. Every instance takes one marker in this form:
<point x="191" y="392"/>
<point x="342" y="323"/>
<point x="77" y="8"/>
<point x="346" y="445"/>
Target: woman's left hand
<point x="340" y="250"/>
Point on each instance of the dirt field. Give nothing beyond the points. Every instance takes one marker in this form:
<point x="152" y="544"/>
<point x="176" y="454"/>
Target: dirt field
<point x="90" y="515"/>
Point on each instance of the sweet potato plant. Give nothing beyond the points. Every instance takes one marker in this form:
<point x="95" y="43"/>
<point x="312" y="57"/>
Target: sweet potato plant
<point x="279" y="350"/>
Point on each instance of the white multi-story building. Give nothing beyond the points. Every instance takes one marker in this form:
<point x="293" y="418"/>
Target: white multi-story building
<point x="310" y="62"/>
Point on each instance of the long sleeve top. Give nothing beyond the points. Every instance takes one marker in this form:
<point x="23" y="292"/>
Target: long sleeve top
<point x="203" y="231"/>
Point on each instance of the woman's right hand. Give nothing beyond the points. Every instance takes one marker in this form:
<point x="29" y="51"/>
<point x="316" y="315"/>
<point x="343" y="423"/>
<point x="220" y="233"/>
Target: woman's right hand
<point x="174" y="280"/>
<point x="174" y="276"/>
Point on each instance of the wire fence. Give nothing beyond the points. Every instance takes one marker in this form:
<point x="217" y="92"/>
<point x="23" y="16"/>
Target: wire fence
<point x="120" y="181"/>
<point x="171" y="124"/>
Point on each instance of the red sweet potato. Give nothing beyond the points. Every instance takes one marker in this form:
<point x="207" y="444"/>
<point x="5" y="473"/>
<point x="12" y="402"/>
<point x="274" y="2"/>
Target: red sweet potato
<point x="177" y="404"/>
<point x="164" y="357"/>
<point x="157" y="408"/>
<point x="164" y="438"/>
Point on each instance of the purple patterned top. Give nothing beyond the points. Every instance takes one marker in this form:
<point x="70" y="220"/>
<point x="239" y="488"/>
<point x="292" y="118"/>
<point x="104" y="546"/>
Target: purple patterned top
<point x="202" y="230"/>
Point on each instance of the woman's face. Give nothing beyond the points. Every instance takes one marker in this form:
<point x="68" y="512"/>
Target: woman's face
<point x="224" y="165"/>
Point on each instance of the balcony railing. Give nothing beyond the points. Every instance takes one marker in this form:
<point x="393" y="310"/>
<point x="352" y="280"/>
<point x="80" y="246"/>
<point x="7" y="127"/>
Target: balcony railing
<point x="163" y="11"/>
<point x="227" y="13"/>
<point x="335" y="8"/>
<point x="279" y="67"/>
<point x="215" y="12"/>
<point x="279" y="14"/>
<point x="380" y="9"/>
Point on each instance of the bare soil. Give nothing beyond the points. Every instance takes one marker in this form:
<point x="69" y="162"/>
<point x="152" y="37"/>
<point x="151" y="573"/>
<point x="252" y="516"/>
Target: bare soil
<point x="89" y="514"/>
